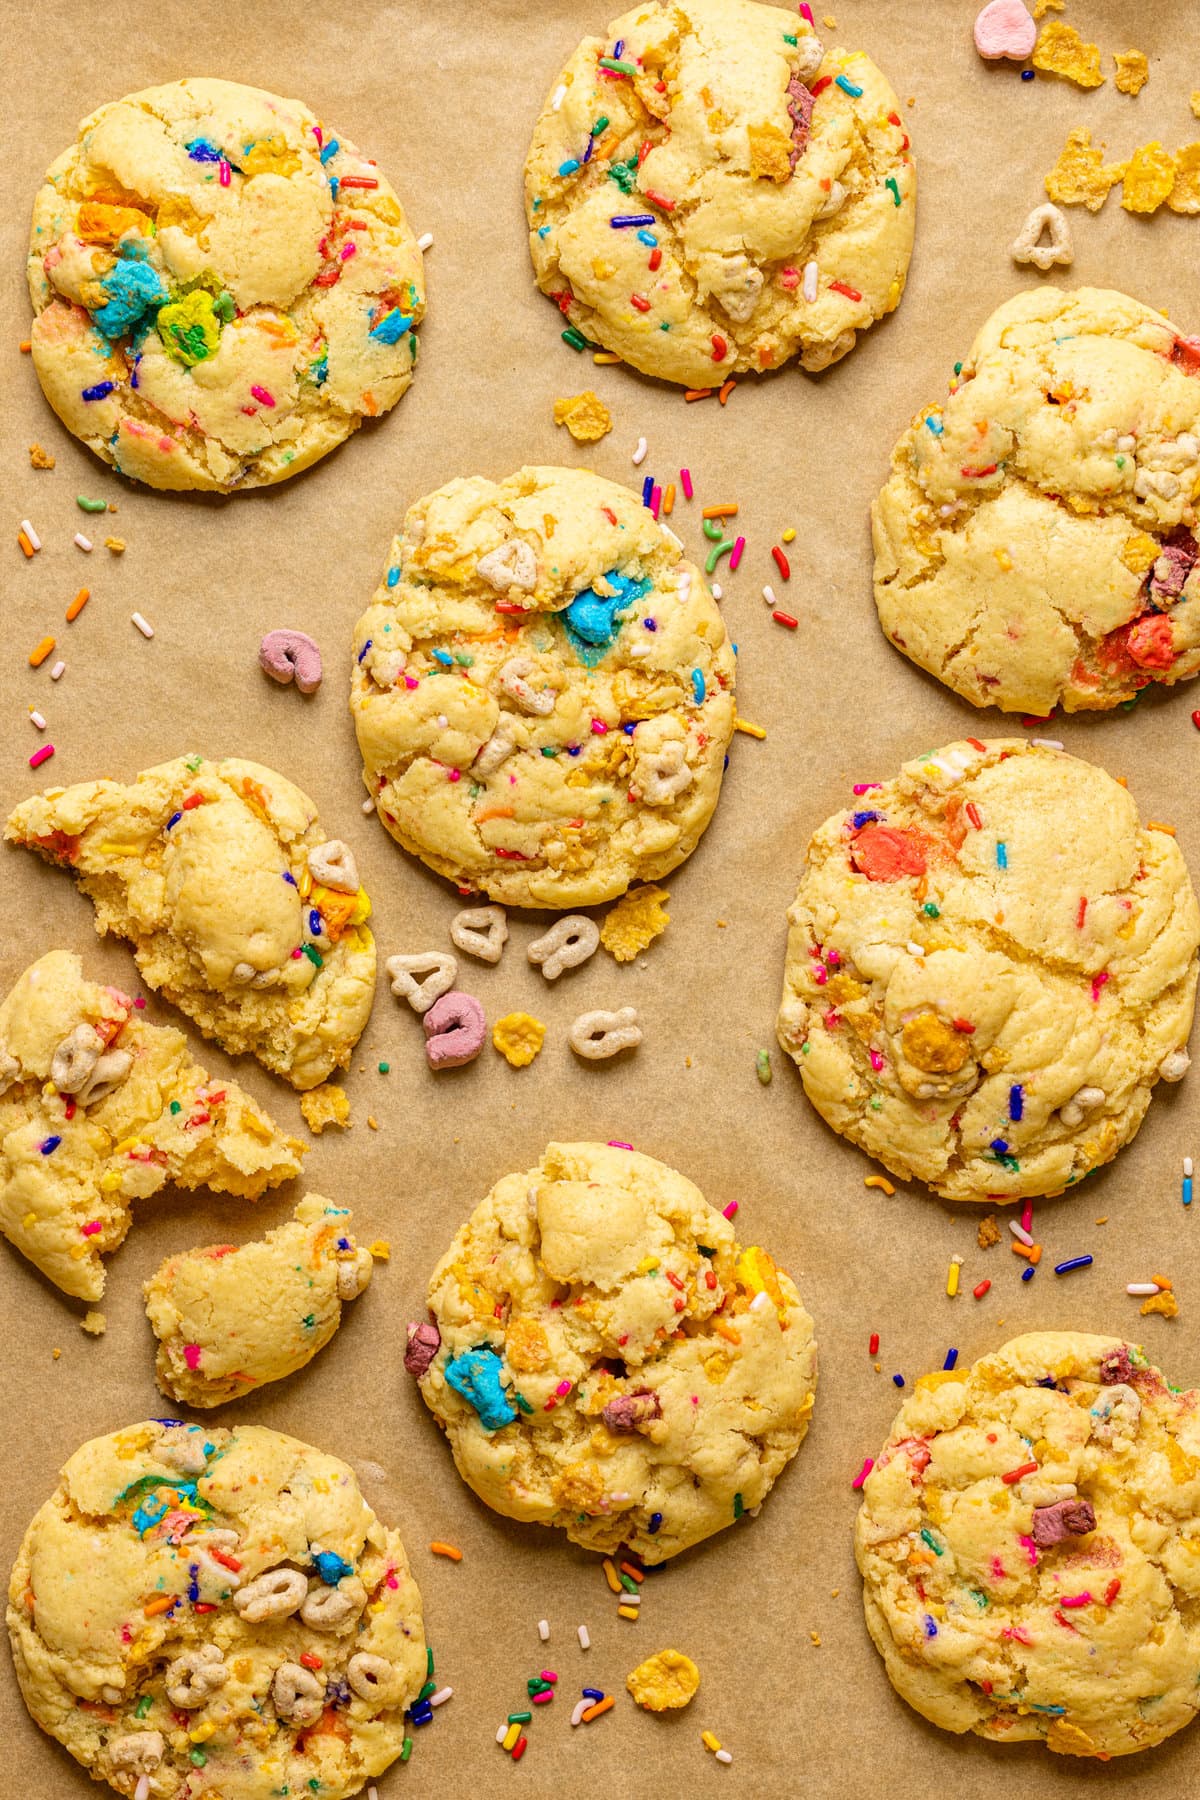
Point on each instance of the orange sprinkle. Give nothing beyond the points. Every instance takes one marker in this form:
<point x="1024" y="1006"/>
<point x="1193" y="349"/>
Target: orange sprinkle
<point x="601" y="1706"/>
<point x="450" y="1550"/>
<point x="1157" y="825"/>
<point x="78" y="603"/>
<point x="494" y="812"/>
<point x="697" y="393"/>
<point x="668" y="499"/>
<point x="38" y="655"/>
<point x="726" y="390"/>
<point x="633" y="1572"/>
<point x="728" y="511"/>
<point x="161" y="1603"/>
<point x="1163" y="1282"/>
<point x="1031" y="1252"/>
<point x="726" y="1331"/>
<point x="25" y="346"/>
<point x="369" y="403"/>
<point x="610" y="1575"/>
<point x="25" y="544"/>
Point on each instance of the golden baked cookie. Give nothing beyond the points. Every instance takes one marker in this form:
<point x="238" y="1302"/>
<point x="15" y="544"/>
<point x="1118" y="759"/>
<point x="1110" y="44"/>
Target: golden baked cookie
<point x="707" y="192"/>
<point x="542" y="690"/>
<point x="991" y="962"/>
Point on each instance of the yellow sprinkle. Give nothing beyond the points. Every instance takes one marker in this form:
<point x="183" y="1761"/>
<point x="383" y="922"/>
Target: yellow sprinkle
<point x="611" y="1576"/>
<point x="199" y="1734"/>
<point x="115" y="544"/>
<point x="126" y="1144"/>
<point x="628" y="1612"/>
<point x="511" y="1736"/>
<point x="879" y="1181"/>
<point x="952" y="1277"/>
<point x="789" y="534"/>
<point x="1157" y="825"/>
<point x="710" y="1740"/>
<point x="1004" y="559"/>
<point x="606" y="356"/>
<point x="120" y="849"/>
<point x="754" y="731"/>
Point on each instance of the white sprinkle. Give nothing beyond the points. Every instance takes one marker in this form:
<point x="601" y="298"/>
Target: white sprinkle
<point x="502" y="1732"/>
<point x="1141" y="1287"/>
<point x="916" y="949"/>
<point x="585" y="1642"/>
<point x="1045" y="743"/>
<point x="716" y="590"/>
<point x="368" y="806"/>
<point x="723" y="1756"/>
<point x="425" y="241"/>
<point x="1020" y="1233"/>
<point x="639" y="649"/>
<point x="372" y="1792"/>
<point x="544" y="1630"/>
<point x="58" y="671"/>
<point x="441" y="1697"/>
<point x="1187" y="1165"/>
<point x="146" y="629"/>
<point x="581" y="1707"/>
<point x="809" y="285"/>
<point x="769" y="596"/>
<point x="560" y="94"/>
<point x="636" y="1599"/>
<point x="84" y="543"/>
<point x="31" y="534"/>
<point x="760" y="1300"/>
<point x="142" y="1790"/>
<point x="639" y="455"/>
<point x="35" y="718"/>
<point x="678" y="542"/>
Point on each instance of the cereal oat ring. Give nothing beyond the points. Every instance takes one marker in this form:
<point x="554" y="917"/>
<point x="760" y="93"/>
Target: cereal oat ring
<point x="567" y="944"/>
<point x="518" y="1036"/>
<point x="439" y="968"/>
<point x="455" y="1029"/>
<point x="598" y="1035"/>
<point x="1028" y="246"/>
<point x="291" y="655"/>
<point x="480" y="931"/>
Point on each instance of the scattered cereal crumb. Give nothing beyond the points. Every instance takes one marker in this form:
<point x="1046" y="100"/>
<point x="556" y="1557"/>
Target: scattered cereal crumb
<point x="634" y="922"/>
<point x="816" y="1638"/>
<point x="1195" y="103"/>
<point x="1103" y="1220"/>
<point x="1133" y="71"/>
<point x="381" y="1250"/>
<point x="1061" y="51"/>
<point x="1149" y="178"/>
<point x="585" y="416"/>
<point x="115" y="544"/>
<point x="1163" y="1302"/>
<point x="1081" y="177"/>
<point x="39" y="458"/>
<point x="721" y="924"/>
<point x="829" y="22"/>
<point x="56" y="1353"/>
<point x="325" y="1105"/>
<point x="664" y="1682"/>
<point x="834" y="1592"/>
<point x="94" y="1323"/>
<point x="1184" y="197"/>
<point x="988" y="1232"/>
<point x="373" y="1122"/>
<point x="518" y="1036"/>
<point x="1042" y="7"/>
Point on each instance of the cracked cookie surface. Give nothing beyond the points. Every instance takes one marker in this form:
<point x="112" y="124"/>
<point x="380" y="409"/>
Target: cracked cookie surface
<point x="1035" y="542"/>
<point x="605" y="1357"/>
<point x="99" y="1108"/>
<point x="1027" y="1543"/>
<point x="240" y="911"/>
<point x="223" y="289"/>
<point x="991" y="961"/>
<point x="771" y="189"/>
<point x="543" y="690"/>
<point x="219" y="1612"/>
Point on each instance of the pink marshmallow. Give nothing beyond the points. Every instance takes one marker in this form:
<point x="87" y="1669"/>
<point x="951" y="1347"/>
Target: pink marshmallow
<point x="1005" y="29"/>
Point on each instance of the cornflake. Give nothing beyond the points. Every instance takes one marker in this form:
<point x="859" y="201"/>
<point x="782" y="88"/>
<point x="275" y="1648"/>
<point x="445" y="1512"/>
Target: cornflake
<point x="1184" y="197"/>
<point x="1081" y="177"/>
<point x="1149" y="178"/>
<point x="634" y="922"/>
<point x="1061" y="51"/>
<point x="518" y="1036"/>
<point x="585" y="416"/>
<point x="1133" y="71"/>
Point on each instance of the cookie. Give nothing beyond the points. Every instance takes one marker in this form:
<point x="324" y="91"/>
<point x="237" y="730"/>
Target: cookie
<point x="239" y="909"/>
<point x="99" y="1108"/>
<point x="1034" y="543"/>
<point x="192" y="1599"/>
<point x="223" y="288"/>
<point x="991" y="962"/>
<point x="1026" y="1543"/>
<point x="708" y="193"/>
<point x="542" y="690"/>
<point x="605" y="1357"/>
<point x="232" y="1317"/>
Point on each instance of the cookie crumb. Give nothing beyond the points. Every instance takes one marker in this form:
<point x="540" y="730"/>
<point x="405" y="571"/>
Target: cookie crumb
<point x="1133" y="71"/>
<point x="94" y="1323"/>
<point x="988" y="1232"/>
<point x="39" y="458"/>
<point x="1184" y="197"/>
<point x="816" y="1638"/>
<point x="1042" y="7"/>
<point x="325" y="1105"/>
<point x="373" y="1122"/>
<point x="585" y="416"/>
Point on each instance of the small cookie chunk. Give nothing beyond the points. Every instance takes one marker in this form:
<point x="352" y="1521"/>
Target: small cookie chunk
<point x="585" y="416"/>
<point x="720" y="197"/>
<point x="606" y="1358"/>
<point x="99" y="1108"/>
<point x="1081" y="177"/>
<point x="220" y="876"/>
<point x="1133" y="71"/>
<point x="1035" y="544"/>
<point x="991" y="962"/>
<point x="197" y="1598"/>
<point x="1025" y="1543"/>
<point x="1045" y="220"/>
<point x="230" y="1318"/>
<point x="664" y="1682"/>
<point x="223" y="288"/>
<point x="324" y="1106"/>
<point x="537" y="654"/>
<point x="1061" y="51"/>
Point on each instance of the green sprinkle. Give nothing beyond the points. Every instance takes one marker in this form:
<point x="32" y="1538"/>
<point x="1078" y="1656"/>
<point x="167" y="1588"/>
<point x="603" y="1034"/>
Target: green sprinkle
<point x="929" y="1538"/>
<point x="429" y="1688"/>
<point x="428" y="1662"/>
<point x="1128" y="705"/>
<point x="618" y="68"/>
<point x="627" y="1582"/>
<point x="739" y="1506"/>
<point x="193" y="763"/>
<point x="519" y="1718"/>
<point x="406" y="1752"/>
<point x="958" y="368"/>
<point x="313" y="956"/>
<point x="522" y="1402"/>
<point x="198" y="1756"/>
<point x="384" y="1067"/>
<point x="930" y="910"/>
<point x="789" y="37"/>
<point x="575" y="338"/>
<point x="175" y="1106"/>
<point x="715" y="554"/>
<point x="892" y="183"/>
<point x="762" y="1067"/>
<point x="1120" y="462"/>
<point x="981" y="1600"/>
<point x="463" y="660"/>
<point x="713" y="528"/>
<point x="92" y="506"/>
<point x="143" y="1706"/>
<point x="600" y="125"/>
<point x="549" y="750"/>
<point x="308" y="1321"/>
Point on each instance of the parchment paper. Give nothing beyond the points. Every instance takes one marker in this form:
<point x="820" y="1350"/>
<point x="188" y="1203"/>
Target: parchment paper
<point x="445" y="96"/>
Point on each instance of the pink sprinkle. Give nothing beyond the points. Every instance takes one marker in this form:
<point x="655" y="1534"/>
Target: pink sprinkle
<point x="542" y="1699"/>
<point x="453" y="774"/>
<point x="805" y="11"/>
<point x="834" y="959"/>
<point x="999" y="1572"/>
<point x="616" y="1144"/>
<point x="735" y="555"/>
<point x="1084" y="1599"/>
<point x="140" y="1003"/>
<point x="262" y="396"/>
<point x="40" y="756"/>
<point x="727" y="1212"/>
<point x="655" y="500"/>
<point x="191" y="1355"/>
<point x="318" y="134"/>
<point x="410" y="681"/>
<point x="225" y="178"/>
<point x="564" y="1387"/>
<point x="1017" y="1631"/>
<point x="868" y="1465"/>
<point x="599" y="727"/>
<point x="391" y="1579"/>
<point x="1030" y="1548"/>
<point x="789" y="278"/>
<point x="864" y="787"/>
<point x="92" y="1227"/>
<point x="349" y="250"/>
<point x="549" y="1675"/>
<point x="876" y="1057"/>
<point x="820" y="976"/>
<point x="685" y="482"/>
<point x="1027" y="1216"/>
<point x="297" y="952"/>
<point x="1098" y="981"/>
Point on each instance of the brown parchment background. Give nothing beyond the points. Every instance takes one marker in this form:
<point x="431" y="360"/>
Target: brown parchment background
<point x="445" y="96"/>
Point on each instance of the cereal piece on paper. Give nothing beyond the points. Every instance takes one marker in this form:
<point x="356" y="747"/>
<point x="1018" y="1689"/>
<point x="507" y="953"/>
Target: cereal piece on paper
<point x="1194" y="102"/>
<point x="634" y="922"/>
<point x="664" y="1682"/>
<point x="39" y="458"/>
<point x="1164" y="1303"/>
<point x="1044" y="221"/>
<point x="987" y="1232"/>
<point x="1081" y="177"/>
<point x="518" y="1036"/>
<point x="585" y="416"/>
<point x="1149" y="178"/>
<point x="1042" y="7"/>
<point x="1133" y="71"/>
<point x="1004" y="29"/>
<point x="1061" y="51"/>
<point x="325" y="1105"/>
<point x="1184" y="197"/>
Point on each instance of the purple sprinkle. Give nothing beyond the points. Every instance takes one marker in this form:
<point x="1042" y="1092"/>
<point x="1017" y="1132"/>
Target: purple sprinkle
<point x="290" y="879"/>
<point x="930" y="1627"/>
<point x="621" y="221"/>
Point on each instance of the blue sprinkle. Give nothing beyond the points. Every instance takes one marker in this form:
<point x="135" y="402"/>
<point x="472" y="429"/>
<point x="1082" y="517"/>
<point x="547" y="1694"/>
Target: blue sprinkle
<point x="315" y="922"/>
<point x="444" y="657"/>
<point x="343" y="1243"/>
<point x="951" y="1359"/>
<point x="330" y="149"/>
<point x="1016" y="1101"/>
<point x="859" y="819"/>
<point x="698" y="687"/>
<point x="475" y="1374"/>
<point x="391" y="328"/>
<point x="1187" y="1190"/>
<point x="1000" y="1146"/>
<point x="331" y="1567"/>
<point x="289" y="878"/>
<point x="622" y="221"/>
<point x="629" y="729"/>
<point x="174" y="820"/>
<point x="99" y="392"/>
<point x="569" y="167"/>
<point x="421" y="1713"/>
<point x="647" y="490"/>
<point x="393" y="575"/>
<point x="574" y="749"/>
<point x="899" y="1380"/>
<point x="934" y="425"/>
<point x="617" y="49"/>
<point x="1026" y="74"/>
<point x="193" y="1582"/>
<point x="930" y="1627"/>
<point x="543" y="231"/>
<point x="334" y="185"/>
<point x="1027" y="1274"/>
<point x="49" y="1144"/>
<point x="848" y="87"/>
<point x="650" y="624"/>
<point x="1002" y="856"/>
<point x="648" y="238"/>
<point x="655" y="1524"/>
<point x="598" y="1693"/>
<point x="365" y="648"/>
<point x="1072" y="1262"/>
<point x="203" y="150"/>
